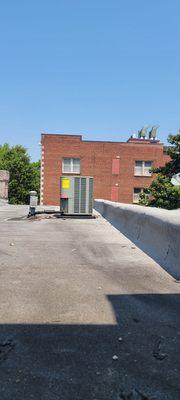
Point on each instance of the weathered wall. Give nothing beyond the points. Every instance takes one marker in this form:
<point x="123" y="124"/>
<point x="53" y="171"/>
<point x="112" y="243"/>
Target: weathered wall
<point x="155" y="231"/>
<point x="4" y="181"/>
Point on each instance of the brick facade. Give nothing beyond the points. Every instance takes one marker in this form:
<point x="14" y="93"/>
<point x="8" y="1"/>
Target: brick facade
<point x="110" y="163"/>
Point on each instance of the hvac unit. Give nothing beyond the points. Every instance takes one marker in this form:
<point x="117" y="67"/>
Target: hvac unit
<point x="76" y="196"/>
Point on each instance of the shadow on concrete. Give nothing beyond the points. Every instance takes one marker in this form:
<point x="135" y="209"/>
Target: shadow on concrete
<point x="76" y="362"/>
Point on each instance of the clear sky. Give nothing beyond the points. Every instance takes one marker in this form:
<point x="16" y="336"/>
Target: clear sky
<point x="100" y="68"/>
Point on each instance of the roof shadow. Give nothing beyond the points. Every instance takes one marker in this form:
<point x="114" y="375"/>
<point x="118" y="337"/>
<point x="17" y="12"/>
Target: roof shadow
<point x="136" y="359"/>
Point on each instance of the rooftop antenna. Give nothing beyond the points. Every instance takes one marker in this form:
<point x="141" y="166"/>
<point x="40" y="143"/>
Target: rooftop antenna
<point x="153" y="132"/>
<point x="143" y="132"/>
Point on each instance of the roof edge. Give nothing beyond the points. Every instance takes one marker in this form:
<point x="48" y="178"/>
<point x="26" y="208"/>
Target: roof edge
<point x="129" y="141"/>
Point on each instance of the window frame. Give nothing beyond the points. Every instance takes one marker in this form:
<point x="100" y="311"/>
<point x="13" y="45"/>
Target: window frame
<point x="135" y="199"/>
<point x="71" y="165"/>
<point x="142" y="190"/>
<point x="144" y="170"/>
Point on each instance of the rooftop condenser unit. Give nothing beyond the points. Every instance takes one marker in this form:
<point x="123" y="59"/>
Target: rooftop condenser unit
<point x="76" y="195"/>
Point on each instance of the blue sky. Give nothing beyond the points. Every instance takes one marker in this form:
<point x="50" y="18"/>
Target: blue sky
<point x="98" y="68"/>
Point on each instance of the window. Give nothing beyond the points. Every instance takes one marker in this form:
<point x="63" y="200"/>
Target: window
<point x="137" y="192"/>
<point x="71" y="166"/>
<point x="142" y="168"/>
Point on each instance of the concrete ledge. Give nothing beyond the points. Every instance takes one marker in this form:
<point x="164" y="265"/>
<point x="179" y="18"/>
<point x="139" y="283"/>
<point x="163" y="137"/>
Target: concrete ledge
<point x="155" y="231"/>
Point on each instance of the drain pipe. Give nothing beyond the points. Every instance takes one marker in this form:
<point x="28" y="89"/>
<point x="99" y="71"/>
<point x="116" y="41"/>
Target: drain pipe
<point x="33" y="204"/>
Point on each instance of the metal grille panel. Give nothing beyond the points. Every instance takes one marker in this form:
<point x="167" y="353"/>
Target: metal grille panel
<point x="76" y="194"/>
<point x="90" y="195"/>
<point x="83" y="195"/>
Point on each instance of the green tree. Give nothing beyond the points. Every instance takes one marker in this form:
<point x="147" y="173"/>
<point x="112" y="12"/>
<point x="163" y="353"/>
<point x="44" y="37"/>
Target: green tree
<point x="162" y="193"/>
<point x="24" y="175"/>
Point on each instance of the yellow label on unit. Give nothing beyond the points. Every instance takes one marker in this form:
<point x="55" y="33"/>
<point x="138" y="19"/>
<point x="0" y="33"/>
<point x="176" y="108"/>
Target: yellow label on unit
<point x="65" y="183"/>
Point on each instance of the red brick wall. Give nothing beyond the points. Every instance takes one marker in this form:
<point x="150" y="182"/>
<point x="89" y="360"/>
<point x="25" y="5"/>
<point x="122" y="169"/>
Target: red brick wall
<point x="97" y="161"/>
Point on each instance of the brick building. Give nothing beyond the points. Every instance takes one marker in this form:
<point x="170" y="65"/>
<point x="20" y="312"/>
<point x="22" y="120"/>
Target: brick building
<point x="120" y="169"/>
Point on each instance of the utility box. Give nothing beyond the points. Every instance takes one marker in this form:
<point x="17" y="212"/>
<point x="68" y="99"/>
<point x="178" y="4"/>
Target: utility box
<point x="76" y="195"/>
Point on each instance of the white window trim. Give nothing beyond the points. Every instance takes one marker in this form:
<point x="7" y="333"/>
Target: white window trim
<point x="71" y="164"/>
<point x="144" y="170"/>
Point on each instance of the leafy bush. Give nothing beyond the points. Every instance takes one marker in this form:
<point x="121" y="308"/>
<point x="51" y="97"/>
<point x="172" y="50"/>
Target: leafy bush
<point x="24" y="175"/>
<point x="162" y="193"/>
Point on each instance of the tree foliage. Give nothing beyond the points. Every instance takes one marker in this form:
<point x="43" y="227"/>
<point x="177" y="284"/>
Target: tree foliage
<point x="24" y="175"/>
<point x="162" y="193"/>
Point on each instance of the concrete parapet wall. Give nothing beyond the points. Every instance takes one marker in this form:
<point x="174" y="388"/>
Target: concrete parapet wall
<point x="4" y="181"/>
<point x="155" y="231"/>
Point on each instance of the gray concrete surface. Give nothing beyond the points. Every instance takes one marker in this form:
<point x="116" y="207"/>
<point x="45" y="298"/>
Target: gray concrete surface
<point x="155" y="231"/>
<point x="84" y="313"/>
